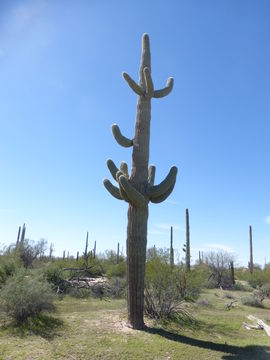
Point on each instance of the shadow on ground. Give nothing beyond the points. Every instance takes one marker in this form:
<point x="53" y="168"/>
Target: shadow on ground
<point x="42" y="325"/>
<point x="251" y="352"/>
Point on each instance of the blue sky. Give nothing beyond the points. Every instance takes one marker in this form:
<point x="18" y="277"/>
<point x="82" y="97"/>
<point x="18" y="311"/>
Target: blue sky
<point x="61" y="89"/>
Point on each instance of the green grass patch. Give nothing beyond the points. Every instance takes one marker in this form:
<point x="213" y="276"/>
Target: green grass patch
<point x="94" y="329"/>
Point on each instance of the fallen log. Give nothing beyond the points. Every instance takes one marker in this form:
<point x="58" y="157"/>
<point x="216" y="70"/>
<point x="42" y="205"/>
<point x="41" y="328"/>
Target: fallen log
<point x="261" y="325"/>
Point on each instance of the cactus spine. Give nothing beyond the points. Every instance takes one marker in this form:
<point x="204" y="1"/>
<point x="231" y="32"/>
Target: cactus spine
<point x="171" y="249"/>
<point x="138" y="188"/>
<point x="250" y="250"/>
<point x="187" y="242"/>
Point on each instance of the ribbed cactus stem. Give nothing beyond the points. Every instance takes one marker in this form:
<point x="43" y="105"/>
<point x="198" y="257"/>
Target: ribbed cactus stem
<point x="64" y="254"/>
<point x="171" y="249"/>
<point x="18" y="237"/>
<point x="77" y="257"/>
<point x="94" y="250"/>
<point x="200" y="260"/>
<point x="138" y="188"/>
<point x="187" y="242"/>
<point x="23" y="234"/>
<point x="250" y="250"/>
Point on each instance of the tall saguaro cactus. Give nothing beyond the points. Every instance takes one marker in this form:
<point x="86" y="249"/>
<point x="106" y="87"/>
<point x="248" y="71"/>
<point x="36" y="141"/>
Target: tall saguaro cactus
<point x="250" y="250"/>
<point x="171" y="249"/>
<point x="187" y="241"/>
<point x="138" y="188"/>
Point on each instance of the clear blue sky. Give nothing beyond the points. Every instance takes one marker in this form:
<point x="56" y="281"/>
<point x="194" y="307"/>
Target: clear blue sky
<point x="61" y="89"/>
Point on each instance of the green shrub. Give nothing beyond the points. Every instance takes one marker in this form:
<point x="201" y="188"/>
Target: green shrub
<point x="8" y="266"/>
<point x="165" y="289"/>
<point x="79" y="293"/>
<point x="252" y="300"/>
<point x="25" y="296"/>
<point x="263" y="292"/>
<point x="54" y="275"/>
<point x="116" y="270"/>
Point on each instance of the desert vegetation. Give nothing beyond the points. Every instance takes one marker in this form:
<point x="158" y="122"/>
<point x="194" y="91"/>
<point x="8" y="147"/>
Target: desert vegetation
<point x="200" y="309"/>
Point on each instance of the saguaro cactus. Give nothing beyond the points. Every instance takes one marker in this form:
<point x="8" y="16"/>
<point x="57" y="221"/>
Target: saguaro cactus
<point x="117" y="254"/>
<point x="250" y="250"/>
<point x="138" y="188"/>
<point x="187" y="242"/>
<point x="171" y="249"/>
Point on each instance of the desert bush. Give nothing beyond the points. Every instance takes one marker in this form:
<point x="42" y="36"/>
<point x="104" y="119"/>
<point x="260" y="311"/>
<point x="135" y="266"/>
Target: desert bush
<point x="116" y="270"/>
<point x="54" y="275"/>
<point x="165" y="289"/>
<point x="8" y="266"/>
<point x="238" y="286"/>
<point x="258" y="278"/>
<point x="117" y="287"/>
<point x="263" y="292"/>
<point x="204" y="302"/>
<point x="25" y="296"/>
<point x="252" y="300"/>
<point x="79" y="293"/>
<point x="219" y="265"/>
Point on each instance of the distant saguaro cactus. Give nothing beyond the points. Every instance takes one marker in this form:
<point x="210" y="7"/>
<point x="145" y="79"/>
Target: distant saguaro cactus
<point x="250" y="250"/>
<point x="86" y="255"/>
<point x="23" y="234"/>
<point x="138" y="188"/>
<point x="18" y="237"/>
<point x="94" y="250"/>
<point x="232" y="272"/>
<point x="171" y="249"/>
<point x="117" y="254"/>
<point x="187" y="242"/>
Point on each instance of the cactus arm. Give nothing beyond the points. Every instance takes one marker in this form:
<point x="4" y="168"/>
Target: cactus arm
<point x="133" y="195"/>
<point x="133" y="85"/>
<point x="151" y="175"/>
<point x="165" y="91"/>
<point x="112" y="167"/>
<point x="113" y="190"/>
<point x="148" y="82"/>
<point x="122" y="140"/>
<point x="124" y="168"/>
<point x="164" y="196"/>
<point x="158" y="190"/>
<point x="121" y="189"/>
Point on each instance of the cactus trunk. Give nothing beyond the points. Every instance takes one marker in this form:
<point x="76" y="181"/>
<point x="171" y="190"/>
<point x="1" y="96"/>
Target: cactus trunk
<point x="136" y="254"/>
